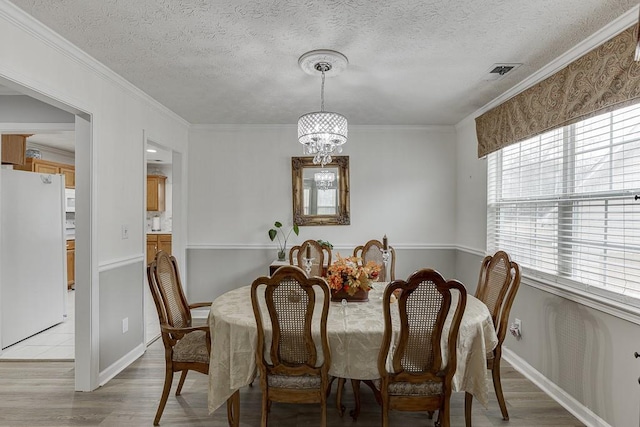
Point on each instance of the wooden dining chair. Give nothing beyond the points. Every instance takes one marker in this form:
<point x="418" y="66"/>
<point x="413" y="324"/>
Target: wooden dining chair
<point x="497" y="287"/>
<point x="419" y="378"/>
<point x="321" y="257"/>
<point x="290" y="368"/>
<point x="372" y="251"/>
<point x="186" y="347"/>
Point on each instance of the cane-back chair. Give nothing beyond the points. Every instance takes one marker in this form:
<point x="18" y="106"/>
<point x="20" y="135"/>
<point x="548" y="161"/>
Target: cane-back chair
<point x="419" y="378"/>
<point x="497" y="287"/>
<point x="186" y="347"/>
<point x="372" y="251"/>
<point x="290" y="335"/>
<point x="321" y="257"/>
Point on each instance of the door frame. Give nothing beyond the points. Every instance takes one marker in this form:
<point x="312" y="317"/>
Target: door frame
<point x="178" y="203"/>
<point x="86" y="367"/>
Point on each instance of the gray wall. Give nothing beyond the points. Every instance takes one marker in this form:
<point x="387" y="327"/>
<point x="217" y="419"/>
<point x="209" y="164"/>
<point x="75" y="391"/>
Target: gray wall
<point x="114" y="284"/>
<point x="212" y="272"/>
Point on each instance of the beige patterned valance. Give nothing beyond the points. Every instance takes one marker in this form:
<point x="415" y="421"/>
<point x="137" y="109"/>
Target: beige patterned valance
<point x="602" y="80"/>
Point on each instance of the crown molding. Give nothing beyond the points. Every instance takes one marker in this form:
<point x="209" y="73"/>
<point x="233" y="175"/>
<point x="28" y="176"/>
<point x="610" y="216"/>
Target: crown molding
<point x="26" y="22"/>
<point x="609" y="31"/>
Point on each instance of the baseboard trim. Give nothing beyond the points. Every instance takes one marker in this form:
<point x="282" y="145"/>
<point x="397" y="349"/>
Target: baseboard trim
<point x="122" y="363"/>
<point x="581" y="412"/>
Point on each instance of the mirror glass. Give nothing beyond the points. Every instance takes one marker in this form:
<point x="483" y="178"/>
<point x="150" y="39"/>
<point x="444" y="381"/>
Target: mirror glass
<point x="320" y="194"/>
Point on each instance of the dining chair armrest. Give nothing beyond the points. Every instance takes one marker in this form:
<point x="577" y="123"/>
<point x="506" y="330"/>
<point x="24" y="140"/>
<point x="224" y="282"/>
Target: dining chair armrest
<point x="181" y="332"/>
<point x="200" y="304"/>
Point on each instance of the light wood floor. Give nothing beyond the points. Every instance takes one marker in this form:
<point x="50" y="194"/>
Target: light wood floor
<point x="41" y="394"/>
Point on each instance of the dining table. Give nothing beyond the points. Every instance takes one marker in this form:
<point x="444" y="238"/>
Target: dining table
<point x="354" y="330"/>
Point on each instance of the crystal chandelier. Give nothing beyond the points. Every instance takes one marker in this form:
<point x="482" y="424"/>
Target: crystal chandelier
<point x="322" y="133"/>
<point x="324" y="179"/>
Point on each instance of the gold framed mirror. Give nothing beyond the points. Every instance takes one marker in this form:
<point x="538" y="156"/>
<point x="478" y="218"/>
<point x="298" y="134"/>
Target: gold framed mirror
<point x="320" y="194"/>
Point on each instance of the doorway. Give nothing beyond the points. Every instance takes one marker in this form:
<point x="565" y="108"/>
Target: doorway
<point x="159" y="220"/>
<point x="51" y="151"/>
<point x="79" y="121"/>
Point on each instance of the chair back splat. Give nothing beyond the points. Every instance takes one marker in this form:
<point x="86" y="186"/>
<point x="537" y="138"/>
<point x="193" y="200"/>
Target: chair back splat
<point x="372" y="251"/>
<point x="321" y="257"/>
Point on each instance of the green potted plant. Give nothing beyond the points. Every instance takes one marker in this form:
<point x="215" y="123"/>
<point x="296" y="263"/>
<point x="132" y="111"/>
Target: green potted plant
<point x="325" y="243"/>
<point x="279" y="233"/>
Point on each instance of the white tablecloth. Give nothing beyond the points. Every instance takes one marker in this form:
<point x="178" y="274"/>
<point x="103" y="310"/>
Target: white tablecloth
<point x="355" y="334"/>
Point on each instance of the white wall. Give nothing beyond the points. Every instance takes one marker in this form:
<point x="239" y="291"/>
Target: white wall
<point x="24" y="109"/>
<point x="115" y="179"/>
<point x="402" y="184"/>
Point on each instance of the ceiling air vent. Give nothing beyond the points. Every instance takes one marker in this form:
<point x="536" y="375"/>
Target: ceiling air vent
<point x="498" y="71"/>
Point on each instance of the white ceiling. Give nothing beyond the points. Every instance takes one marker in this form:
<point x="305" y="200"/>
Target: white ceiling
<point x="412" y="62"/>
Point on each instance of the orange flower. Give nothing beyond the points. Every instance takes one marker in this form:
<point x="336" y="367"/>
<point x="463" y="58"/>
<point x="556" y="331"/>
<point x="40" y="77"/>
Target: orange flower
<point x="349" y="275"/>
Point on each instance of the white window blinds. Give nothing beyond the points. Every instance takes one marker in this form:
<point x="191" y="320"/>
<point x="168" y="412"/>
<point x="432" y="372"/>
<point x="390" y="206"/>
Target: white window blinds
<point x="563" y="204"/>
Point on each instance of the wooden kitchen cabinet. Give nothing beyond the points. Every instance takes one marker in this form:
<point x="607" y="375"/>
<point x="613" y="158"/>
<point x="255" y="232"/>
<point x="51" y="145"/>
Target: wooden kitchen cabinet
<point x="69" y="173"/>
<point x="157" y="242"/>
<point x="46" y="166"/>
<point x="156" y="192"/>
<point x="164" y="243"/>
<point x="14" y="148"/>
<point x="71" y="264"/>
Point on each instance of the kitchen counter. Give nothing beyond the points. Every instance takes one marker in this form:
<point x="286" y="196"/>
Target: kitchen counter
<point x="159" y="232"/>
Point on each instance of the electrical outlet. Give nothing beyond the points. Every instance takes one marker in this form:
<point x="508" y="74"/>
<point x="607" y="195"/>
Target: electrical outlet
<point x="125" y="325"/>
<point x="125" y="231"/>
<point x="518" y="324"/>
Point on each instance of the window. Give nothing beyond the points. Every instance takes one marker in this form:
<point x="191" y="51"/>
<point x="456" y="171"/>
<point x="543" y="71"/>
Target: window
<point x="563" y="204"/>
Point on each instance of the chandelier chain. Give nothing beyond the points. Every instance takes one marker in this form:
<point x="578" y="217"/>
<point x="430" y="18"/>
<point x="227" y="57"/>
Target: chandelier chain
<point x="322" y="93"/>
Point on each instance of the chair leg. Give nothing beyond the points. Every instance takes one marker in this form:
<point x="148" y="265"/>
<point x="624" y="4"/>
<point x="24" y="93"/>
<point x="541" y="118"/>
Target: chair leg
<point x="468" y="402"/>
<point x="233" y="409"/>
<point x="376" y="392"/>
<point x="168" y="379"/>
<point x="445" y="419"/>
<point x="497" y="386"/>
<point x="385" y="412"/>
<point x="339" y="404"/>
<point x="183" y="376"/>
<point x="355" y="384"/>
<point x="430" y="414"/>
<point x="323" y="408"/>
<point x="265" y="409"/>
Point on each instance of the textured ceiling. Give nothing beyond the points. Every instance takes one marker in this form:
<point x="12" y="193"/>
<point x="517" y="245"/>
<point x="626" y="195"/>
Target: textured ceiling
<point x="412" y="62"/>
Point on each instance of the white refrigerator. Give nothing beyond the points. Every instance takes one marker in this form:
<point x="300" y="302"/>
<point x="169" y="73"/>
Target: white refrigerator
<point x="33" y="273"/>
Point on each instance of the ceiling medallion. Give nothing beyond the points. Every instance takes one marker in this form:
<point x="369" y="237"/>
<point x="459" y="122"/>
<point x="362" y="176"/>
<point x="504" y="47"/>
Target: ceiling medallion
<point x="322" y="133"/>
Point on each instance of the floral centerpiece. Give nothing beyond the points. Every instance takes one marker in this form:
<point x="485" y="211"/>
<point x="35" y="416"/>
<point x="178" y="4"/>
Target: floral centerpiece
<point x="350" y="280"/>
